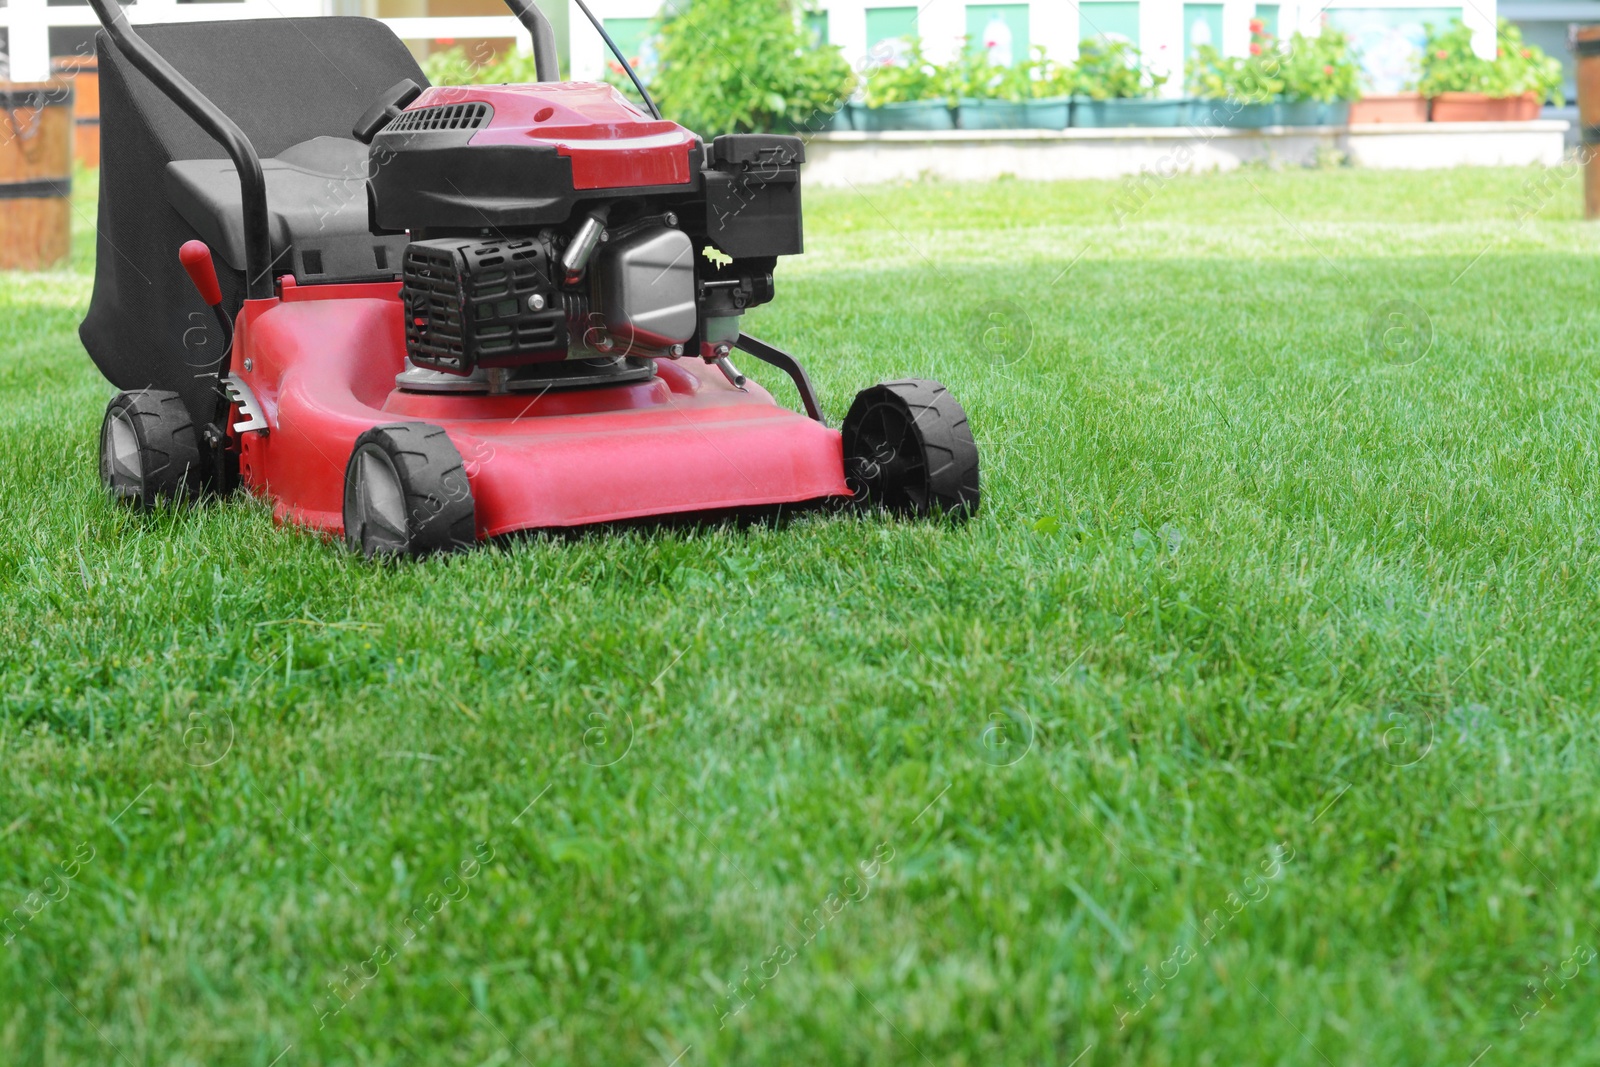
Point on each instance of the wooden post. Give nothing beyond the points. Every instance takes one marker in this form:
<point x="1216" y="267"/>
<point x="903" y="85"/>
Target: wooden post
<point x="83" y="72"/>
<point x="35" y="174"/>
<point x="1586" y="46"/>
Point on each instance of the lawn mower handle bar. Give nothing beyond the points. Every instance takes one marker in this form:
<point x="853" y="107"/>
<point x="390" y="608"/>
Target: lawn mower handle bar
<point x="252" y="184"/>
<point x="546" y="65"/>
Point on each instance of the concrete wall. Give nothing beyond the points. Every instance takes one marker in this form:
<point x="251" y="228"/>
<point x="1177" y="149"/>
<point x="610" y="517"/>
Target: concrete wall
<point x="846" y="159"/>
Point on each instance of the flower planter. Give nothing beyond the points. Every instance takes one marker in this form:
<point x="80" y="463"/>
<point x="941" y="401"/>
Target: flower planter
<point x="992" y="115"/>
<point x="1398" y="107"/>
<point x="1120" y="112"/>
<point x="1313" y="113"/>
<point x="1048" y="113"/>
<point x="1480" y="107"/>
<point x="817" y="122"/>
<point x="1277" y="113"/>
<point x="1234" y="114"/>
<point x="915" y="115"/>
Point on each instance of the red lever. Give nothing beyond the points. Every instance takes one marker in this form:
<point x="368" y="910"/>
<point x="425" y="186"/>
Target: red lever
<point x="196" y="259"/>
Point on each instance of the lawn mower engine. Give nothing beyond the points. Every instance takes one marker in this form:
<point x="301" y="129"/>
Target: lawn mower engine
<point x="554" y="223"/>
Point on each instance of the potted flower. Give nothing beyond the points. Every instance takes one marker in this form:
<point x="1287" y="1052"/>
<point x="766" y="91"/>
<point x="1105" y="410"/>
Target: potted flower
<point x="1305" y="81"/>
<point x="987" y="96"/>
<point x="1465" y="87"/>
<point x="1237" y="90"/>
<point x="1320" y="79"/>
<point x="1113" y="87"/>
<point x="1049" y="107"/>
<point x="905" y="94"/>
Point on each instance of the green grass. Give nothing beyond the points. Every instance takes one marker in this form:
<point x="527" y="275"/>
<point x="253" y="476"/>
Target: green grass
<point x="1251" y="584"/>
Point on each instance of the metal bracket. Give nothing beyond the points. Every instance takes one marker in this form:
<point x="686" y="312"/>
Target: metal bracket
<point x="239" y="393"/>
<point x="790" y="366"/>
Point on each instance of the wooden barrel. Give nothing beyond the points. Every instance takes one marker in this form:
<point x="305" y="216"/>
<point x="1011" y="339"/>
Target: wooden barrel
<point x="1586" y="46"/>
<point x="35" y="174"/>
<point x="84" y="74"/>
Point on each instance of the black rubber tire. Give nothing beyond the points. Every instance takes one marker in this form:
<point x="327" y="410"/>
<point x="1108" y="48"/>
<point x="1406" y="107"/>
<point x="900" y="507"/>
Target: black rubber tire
<point x="149" y="452"/>
<point x="908" y="450"/>
<point x="406" y="493"/>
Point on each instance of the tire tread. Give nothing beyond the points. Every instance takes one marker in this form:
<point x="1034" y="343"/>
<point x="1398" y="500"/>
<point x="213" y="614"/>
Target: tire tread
<point x="169" y="451"/>
<point x="940" y="424"/>
<point x="441" y="515"/>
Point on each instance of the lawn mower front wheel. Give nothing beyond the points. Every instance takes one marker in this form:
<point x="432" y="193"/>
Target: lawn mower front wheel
<point x="908" y="450"/>
<point x="148" y="448"/>
<point x="406" y="493"/>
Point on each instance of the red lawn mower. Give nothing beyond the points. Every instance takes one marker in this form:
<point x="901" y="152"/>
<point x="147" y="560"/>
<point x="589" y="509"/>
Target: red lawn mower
<point x="440" y="314"/>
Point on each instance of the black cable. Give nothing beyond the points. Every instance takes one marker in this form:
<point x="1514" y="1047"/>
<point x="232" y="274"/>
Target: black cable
<point x="637" y="84"/>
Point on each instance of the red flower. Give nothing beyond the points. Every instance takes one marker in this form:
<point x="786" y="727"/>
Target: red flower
<point x="1526" y="53"/>
<point x="1327" y="70"/>
<point x="1442" y="54"/>
<point x="1257" y="26"/>
<point x="1255" y="49"/>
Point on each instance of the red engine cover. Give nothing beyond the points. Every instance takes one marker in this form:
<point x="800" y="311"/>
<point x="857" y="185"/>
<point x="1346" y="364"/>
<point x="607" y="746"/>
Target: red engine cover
<point x="612" y="144"/>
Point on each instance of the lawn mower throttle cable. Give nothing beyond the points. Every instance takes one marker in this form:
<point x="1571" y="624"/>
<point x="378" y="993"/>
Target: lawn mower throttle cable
<point x="644" y="94"/>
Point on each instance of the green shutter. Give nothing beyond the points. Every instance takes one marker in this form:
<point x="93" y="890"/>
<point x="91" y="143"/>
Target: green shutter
<point x="1102" y="20"/>
<point x="890" y="24"/>
<point x="1202" y="24"/>
<point x="629" y="35"/>
<point x="816" y="23"/>
<point x="1015" y="16"/>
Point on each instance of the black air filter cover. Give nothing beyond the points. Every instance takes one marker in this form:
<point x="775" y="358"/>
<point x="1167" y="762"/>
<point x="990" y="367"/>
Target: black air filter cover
<point x="471" y="302"/>
<point x="753" y="195"/>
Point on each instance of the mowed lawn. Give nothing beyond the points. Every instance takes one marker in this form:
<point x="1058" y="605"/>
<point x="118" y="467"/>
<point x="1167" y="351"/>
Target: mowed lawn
<point x="1253" y="721"/>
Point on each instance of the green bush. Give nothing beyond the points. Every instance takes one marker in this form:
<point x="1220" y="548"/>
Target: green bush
<point x="901" y="83"/>
<point x="722" y="66"/>
<point x="453" y="66"/>
<point x="1109" y="70"/>
<point x="1450" y="66"/>
<point x="1253" y="79"/>
<point x="1050" y="78"/>
<point x="1104" y="70"/>
<point x="739" y="65"/>
<point x="1322" y="68"/>
<point x="972" y="77"/>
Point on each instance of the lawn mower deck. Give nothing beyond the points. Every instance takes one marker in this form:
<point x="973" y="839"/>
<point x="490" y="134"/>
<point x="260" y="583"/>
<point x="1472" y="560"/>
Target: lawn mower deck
<point x="323" y="363"/>
<point x="438" y="315"/>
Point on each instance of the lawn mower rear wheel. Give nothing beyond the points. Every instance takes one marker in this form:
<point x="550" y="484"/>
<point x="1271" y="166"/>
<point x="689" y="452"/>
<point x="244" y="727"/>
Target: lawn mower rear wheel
<point x="406" y="493"/>
<point x="148" y="448"/>
<point x="908" y="450"/>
